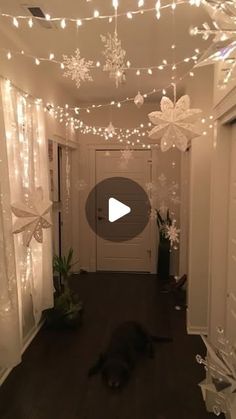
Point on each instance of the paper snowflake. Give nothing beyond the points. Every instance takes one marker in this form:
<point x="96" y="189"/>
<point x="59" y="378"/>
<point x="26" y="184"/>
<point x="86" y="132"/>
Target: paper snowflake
<point x="174" y="123"/>
<point x="221" y="372"/>
<point x="164" y="191"/>
<point x="224" y="31"/>
<point x="77" y="68"/>
<point x="114" y="55"/>
<point x="126" y="154"/>
<point x="172" y="233"/>
<point x="32" y="217"/>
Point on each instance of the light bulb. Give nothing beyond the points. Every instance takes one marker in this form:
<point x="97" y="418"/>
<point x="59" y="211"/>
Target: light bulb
<point x="79" y="22"/>
<point x="30" y="22"/>
<point x="37" y="62"/>
<point x="9" y="56"/>
<point x="141" y="3"/>
<point x="63" y="23"/>
<point x="115" y="4"/>
<point x="129" y="15"/>
<point x="47" y="16"/>
<point x="138" y="73"/>
<point x="51" y="56"/>
<point x="15" y="22"/>
<point x="96" y="13"/>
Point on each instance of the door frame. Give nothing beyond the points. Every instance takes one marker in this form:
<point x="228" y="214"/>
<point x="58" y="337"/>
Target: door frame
<point x="225" y="112"/>
<point x="92" y="175"/>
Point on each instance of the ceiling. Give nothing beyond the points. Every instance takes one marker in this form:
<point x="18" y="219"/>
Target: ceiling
<point x="147" y="42"/>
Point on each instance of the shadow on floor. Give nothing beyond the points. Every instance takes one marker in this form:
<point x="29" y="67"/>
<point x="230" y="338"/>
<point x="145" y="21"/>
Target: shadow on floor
<point x="52" y="382"/>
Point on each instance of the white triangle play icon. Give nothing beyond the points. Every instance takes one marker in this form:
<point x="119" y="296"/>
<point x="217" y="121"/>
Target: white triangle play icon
<point x="117" y="210"/>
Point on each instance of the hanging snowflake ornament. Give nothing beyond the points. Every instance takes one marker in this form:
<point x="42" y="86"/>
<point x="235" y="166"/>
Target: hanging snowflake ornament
<point x="165" y="192"/>
<point x="114" y="57"/>
<point x="139" y="100"/>
<point x="175" y="123"/>
<point x="32" y="217"/>
<point x="172" y="233"/>
<point x="77" y="68"/>
<point x="110" y="130"/>
<point x="224" y="32"/>
<point x="126" y="154"/>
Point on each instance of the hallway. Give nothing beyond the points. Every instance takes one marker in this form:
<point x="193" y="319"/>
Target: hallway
<point x="52" y="381"/>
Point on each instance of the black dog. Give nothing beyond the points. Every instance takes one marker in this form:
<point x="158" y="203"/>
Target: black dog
<point x="127" y="341"/>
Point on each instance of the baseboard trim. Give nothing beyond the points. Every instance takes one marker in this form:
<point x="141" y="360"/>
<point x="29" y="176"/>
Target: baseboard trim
<point x="31" y="335"/>
<point x="197" y="330"/>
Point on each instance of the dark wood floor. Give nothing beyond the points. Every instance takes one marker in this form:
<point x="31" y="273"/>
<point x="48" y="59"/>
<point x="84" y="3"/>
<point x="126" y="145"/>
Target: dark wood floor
<point x="52" y="383"/>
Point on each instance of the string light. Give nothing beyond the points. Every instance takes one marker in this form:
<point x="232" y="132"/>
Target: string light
<point x="97" y="65"/>
<point x="157" y="9"/>
<point x="140" y="3"/>
<point x="15" y="22"/>
<point x="63" y="23"/>
<point x="115" y="4"/>
<point x="96" y="13"/>
<point x="30" y="23"/>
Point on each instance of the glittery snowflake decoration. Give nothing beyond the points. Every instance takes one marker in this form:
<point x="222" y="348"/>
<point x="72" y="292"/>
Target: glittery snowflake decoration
<point x="172" y="233"/>
<point x="77" y="68"/>
<point x="32" y="217"/>
<point x="126" y="156"/>
<point x="174" y="124"/>
<point x="165" y="192"/>
<point x="224" y="32"/>
<point x="110" y="131"/>
<point x="114" y="55"/>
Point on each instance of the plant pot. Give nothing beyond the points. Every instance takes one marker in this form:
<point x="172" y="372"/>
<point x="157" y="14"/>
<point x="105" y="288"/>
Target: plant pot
<point x="163" y="269"/>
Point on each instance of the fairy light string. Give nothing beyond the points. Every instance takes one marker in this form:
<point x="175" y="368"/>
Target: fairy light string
<point x="63" y="21"/>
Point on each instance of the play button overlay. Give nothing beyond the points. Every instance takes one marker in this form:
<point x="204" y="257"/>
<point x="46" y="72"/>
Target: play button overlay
<point x="117" y="209"/>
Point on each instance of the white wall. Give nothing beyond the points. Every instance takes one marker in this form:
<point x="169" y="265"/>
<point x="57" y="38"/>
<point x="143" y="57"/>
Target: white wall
<point x="200" y="90"/>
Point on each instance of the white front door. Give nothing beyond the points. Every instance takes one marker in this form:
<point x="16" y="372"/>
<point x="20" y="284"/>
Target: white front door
<point x="131" y="255"/>
<point x="231" y="284"/>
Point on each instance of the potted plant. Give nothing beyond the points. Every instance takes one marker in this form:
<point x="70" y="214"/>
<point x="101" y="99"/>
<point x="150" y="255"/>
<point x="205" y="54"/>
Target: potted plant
<point x="68" y="309"/>
<point x="163" y="269"/>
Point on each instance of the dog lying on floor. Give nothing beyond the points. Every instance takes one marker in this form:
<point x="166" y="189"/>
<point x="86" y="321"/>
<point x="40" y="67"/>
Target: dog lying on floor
<point x="127" y="341"/>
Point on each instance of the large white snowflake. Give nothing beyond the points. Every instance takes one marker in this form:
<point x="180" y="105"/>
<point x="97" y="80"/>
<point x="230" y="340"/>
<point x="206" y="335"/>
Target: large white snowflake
<point x="224" y="31"/>
<point x="32" y="217"/>
<point x="175" y="123"/>
<point x="77" y="68"/>
<point x="115" y="56"/>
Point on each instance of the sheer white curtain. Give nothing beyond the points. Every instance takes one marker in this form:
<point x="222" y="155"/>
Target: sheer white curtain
<point x="26" y="255"/>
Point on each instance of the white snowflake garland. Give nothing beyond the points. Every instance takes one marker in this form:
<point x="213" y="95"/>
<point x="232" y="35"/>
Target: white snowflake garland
<point x="77" y="68"/>
<point x="174" y="124"/>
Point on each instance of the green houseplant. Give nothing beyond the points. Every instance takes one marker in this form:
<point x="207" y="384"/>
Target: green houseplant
<point x="68" y="309"/>
<point x="163" y="269"/>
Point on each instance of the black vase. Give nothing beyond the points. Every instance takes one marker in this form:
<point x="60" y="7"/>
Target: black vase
<point x="163" y="269"/>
